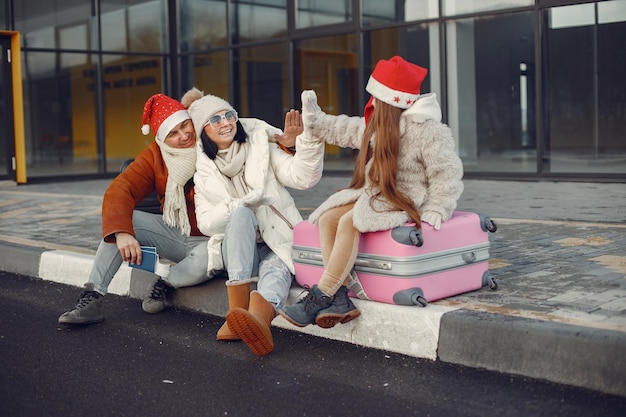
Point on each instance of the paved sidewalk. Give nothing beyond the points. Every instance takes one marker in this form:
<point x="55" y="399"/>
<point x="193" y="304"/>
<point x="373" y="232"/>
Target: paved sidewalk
<point x="559" y="257"/>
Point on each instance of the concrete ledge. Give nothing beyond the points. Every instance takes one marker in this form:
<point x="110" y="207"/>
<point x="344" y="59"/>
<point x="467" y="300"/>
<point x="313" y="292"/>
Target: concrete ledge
<point x="568" y="354"/>
<point x="73" y="269"/>
<point x="20" y="259"/>
<point x="410" y="330"/>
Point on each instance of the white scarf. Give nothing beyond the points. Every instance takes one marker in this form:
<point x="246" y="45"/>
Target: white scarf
<point x="231" y="163"/>
<point x="181" y="165"/>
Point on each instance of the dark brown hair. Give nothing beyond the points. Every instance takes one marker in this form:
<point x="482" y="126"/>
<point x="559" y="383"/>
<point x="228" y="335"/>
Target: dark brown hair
<point x="385" y="123"/>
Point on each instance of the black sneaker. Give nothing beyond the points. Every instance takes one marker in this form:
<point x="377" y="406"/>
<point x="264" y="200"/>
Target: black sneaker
<point x="342" y="310"/>
<point x="156" y="301"/>
<point x="88" y="308"/>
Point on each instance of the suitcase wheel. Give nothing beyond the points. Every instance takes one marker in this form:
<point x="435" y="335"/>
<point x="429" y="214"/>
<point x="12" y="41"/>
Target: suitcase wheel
<point x="410" y="297"/>
<point x="416" y="238"/>
<point x="490" y="225"/>
<point x="493" y="284"/>
<point x="420" y="301"/>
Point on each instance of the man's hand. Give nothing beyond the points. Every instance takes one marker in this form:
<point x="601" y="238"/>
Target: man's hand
<point x="293" y="128"/>
<point x="129" y="248"/>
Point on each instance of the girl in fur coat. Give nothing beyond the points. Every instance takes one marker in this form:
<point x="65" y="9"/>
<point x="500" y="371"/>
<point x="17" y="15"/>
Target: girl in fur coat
<point x="407" y="170"/>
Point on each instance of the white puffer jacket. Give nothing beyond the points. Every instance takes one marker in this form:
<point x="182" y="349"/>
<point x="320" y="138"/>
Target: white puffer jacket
<point x="429" y="170"/>
<point x="268" y="168"/>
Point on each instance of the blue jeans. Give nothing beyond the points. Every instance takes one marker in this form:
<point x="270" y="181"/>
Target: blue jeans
<point x="189" y="253"/>
<point x="244" y="258"/>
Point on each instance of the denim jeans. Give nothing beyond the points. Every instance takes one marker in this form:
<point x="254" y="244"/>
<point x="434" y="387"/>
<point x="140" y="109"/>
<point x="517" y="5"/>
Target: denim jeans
<point x="244" y="258"/>
<point x="189" y="253"/>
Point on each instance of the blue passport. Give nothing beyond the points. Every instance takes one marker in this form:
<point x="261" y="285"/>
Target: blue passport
<point x="149" y="259"/>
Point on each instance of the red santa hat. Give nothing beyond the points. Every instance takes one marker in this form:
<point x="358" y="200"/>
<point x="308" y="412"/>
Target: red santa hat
<point x="162" y="114"/>
<point x="396" y="82"/>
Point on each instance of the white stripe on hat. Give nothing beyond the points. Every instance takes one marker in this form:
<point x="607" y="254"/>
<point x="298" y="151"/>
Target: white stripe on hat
<point x="390" y="96"/>
<point x="170" y="123"/>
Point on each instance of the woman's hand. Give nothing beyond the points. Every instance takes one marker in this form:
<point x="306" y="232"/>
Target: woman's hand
<point x="293" y="128"/>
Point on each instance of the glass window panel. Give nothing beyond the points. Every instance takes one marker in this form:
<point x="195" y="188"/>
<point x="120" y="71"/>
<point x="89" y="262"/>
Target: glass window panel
<point x="609" y="149"/>
<point x="134" y="25"/>
<point x="127" y="83"/>
<point x="585" y="95"/>
<point x="60" y="114"/>
<point x="612" y="11"/>
<point x="311" y="13"/>
<point x="572" y="16"/>
<point x="45" y="24"/>
<point x="417" y="44"/>
<point x="491" y="84"/>
<point x="454" y="7"/>
<point x="263" y="83"/>
<point x="258" y="19"/>
<point x="376" y="12"/>
<point x="207" y="72"/>
<point x="74" y="37"/>
<point x="4" y="18"/>
<point x="329" y="66"/>
<point x="205" y="24"/>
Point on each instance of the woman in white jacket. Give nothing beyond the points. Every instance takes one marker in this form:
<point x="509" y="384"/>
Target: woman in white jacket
<point x="242" y="203"/>
<point x="407" y="170"/>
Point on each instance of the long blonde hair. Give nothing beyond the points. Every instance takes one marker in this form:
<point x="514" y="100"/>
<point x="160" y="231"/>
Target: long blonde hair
<point x="385" y="123"/>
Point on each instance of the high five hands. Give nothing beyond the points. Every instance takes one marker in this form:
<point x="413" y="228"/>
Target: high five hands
<point x="293" y="128"/>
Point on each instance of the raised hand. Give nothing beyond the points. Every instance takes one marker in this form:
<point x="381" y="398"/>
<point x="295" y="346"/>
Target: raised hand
<point x="293" y="128"/>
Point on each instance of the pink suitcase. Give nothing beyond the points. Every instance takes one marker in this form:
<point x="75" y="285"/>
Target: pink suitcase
<point x="405" y="266"/>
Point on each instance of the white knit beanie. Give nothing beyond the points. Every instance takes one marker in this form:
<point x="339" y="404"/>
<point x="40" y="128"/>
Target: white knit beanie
<point x="201" y="107"/>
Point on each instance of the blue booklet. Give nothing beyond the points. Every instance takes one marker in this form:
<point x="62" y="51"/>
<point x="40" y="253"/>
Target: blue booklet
<point x="149" y="259"/>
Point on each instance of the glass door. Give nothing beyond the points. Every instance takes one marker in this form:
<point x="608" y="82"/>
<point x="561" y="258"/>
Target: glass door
<point x="7" y="137"/>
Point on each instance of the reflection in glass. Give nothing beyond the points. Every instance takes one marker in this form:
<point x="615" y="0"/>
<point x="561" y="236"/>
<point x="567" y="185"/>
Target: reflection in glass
<point x="329" y="66"/>
<point x="4" y="19"/>
<point x="417" y="44"/>
<point x="584" y="90"/>
<point x="202" y="24"/>
<point x="491" y="92"/>
<point x="52" y="17"/>
<point x="455" y="7"/>
<point x="209" y="73"/>
<point x="247" y="17"/>
<point x="376" y="12"/>
<point x="322" y="12"/>
<point x="127" y="83"/>
<point x="60" y="114"/>
<point x="133" y="26"/>
<point x="262" y="83"/>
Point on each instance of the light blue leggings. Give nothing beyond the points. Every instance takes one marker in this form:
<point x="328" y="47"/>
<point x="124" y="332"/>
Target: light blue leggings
<point x="244" y="258"/>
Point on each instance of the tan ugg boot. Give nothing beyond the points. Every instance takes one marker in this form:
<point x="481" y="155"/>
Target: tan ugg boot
<point x="253" y="325"/>
<point x="238" y="297"/>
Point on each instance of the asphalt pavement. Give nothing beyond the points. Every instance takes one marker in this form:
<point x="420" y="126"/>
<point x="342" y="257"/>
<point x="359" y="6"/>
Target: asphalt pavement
<point x="558" y="256"/>
<point x="143" y="365"/>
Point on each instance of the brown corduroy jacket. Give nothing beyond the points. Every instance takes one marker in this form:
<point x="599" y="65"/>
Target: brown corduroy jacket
<point x="146" y="174"/>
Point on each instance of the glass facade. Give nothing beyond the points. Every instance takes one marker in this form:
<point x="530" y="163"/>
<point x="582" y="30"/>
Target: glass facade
<point x="530" y="89"/>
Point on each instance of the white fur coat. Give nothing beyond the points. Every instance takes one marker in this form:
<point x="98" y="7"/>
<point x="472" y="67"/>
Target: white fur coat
<point x="429" y="170"/>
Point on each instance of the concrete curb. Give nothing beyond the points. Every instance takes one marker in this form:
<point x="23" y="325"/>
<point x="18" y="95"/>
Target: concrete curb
<point x="569" y="354"/>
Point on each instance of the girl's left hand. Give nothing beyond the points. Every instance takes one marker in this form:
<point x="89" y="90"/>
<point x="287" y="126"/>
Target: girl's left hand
<point x="432" y="218"/>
